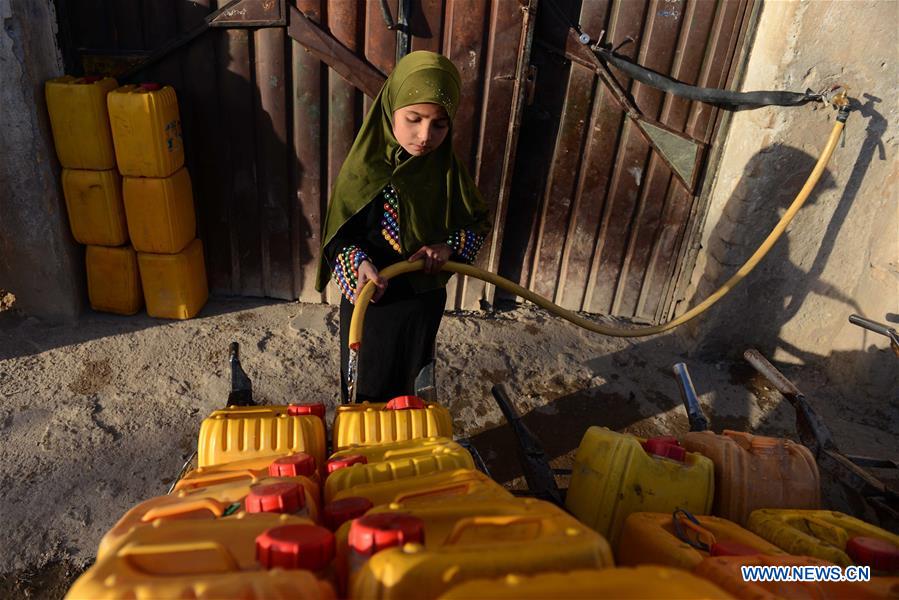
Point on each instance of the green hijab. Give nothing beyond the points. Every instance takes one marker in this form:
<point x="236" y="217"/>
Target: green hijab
<point x="436" y="194"/>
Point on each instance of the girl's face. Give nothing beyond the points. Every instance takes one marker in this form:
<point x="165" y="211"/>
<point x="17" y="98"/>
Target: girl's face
<point x="420" y="128"/>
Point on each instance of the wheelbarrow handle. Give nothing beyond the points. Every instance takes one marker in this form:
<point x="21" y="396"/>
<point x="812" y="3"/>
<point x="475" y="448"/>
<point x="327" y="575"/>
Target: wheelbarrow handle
<point x="873" y="326"/>
<point x="770" y="372"/>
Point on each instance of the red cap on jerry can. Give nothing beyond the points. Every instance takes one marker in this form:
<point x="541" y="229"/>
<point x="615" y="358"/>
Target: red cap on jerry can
<point x="150" y="86"/>
<point x="665" y="446"/>
<point x="340" y="511"/>
<point x="346" y="461"/>
<point x="295" y="547"/>
<point x="373" y="533"/>
<point x="317" y="409"/>
<point x="293" y="465"/>
<point x="406" y="403"/>
<point x="286" y="497"/>
<point x="876" y="553"/>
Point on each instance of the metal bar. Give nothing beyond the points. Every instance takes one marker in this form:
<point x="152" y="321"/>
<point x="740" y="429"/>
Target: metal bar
<point x="333" y="53"/>
<point x="698" y="420"/>
<point x="812" y="430"/>
<point x="770" y="372"/>
<point x="873" y="326"/>
<point x="871" y="462"/>
<point x="241" y="393"/>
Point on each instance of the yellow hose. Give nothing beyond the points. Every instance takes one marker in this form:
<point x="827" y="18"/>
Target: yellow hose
<point x="355" y="333"/>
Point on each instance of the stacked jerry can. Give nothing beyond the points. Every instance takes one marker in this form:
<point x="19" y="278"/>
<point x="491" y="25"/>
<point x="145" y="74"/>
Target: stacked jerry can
<point x="124" y="181"/>
<point x="396" y="509"/>
<point x="146" y="131"/>
<point x="93" y="190"/>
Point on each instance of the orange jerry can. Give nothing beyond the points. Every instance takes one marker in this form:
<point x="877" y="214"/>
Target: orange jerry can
<point x="294" y="495"/>
<point x="186" y="558"/>
<point x="754" y="471"/>
<point x="682" y="540"/>
<point x="727" y="573"/>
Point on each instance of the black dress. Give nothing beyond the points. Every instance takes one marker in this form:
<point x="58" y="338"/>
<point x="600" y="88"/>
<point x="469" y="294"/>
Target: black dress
<point x="399" y="329"/>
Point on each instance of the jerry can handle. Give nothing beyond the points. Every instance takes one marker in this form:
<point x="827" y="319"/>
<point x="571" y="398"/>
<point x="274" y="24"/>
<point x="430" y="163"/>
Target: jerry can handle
<point x="822" y="530"/>
<point x="133" y="553"/>
<point x="182" y="508"/>
<point x="496" y="521"/>
<point x="683" y="518"/>
<point x="446" y="490"/>
<point x="216" y="478"/>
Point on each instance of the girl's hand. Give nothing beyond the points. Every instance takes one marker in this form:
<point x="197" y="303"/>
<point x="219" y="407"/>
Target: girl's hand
<point x="434" y="256"/>
<point x="368" y="272"/>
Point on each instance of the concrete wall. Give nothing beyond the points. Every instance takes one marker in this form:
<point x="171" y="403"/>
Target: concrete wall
<point x="840" y="254"/>
<point x="39" y="261"/>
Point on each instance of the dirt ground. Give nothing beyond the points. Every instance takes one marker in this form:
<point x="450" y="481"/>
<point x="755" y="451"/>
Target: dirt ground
<point x="97" y="416"/>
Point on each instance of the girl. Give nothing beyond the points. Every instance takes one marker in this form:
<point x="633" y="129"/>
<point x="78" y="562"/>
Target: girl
<point x="401" y="193"/>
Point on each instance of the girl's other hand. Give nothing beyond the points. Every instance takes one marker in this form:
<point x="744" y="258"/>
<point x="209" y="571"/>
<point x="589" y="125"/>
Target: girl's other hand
<point x="434" y="256"/>
<point x="368" y="272"/>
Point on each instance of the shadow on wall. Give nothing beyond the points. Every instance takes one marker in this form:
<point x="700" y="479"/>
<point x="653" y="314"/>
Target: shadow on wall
<point x="756" y="312"/>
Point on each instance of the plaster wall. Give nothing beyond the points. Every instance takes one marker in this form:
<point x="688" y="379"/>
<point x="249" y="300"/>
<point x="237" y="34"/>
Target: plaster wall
<point x="841" y="253"/>
<point x="39" y="261"/>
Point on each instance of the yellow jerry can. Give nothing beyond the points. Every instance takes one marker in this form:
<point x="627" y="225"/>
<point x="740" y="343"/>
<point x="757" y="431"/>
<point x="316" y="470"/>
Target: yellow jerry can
<point x="94" y="204"/>
<point x="401" y="419"/>
<point x="240" y="433"/>
<point x="174" y="284"/>
<point x="173" y="558"/>
<point x="351" y="470"/>
<point x="464" y="540"/>
<point x="434" y="487"/>
<point x="146" y="130"/>
<point x="617" y="474"/>
<point x="251" y="470"/>
<point x="828" y="535"/>
<point x="657" y="539"/>
<point x="80" y="121"/>
<point x="113" y="283"/>
<point x="160" y="211"/>
<point x="285" y="495"/>
<point x="637" y="583"/>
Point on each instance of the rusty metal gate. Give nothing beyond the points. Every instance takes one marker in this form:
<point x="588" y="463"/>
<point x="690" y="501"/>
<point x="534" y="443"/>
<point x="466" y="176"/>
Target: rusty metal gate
<point x="600" y="223"/>
<point x="585" y="214"/>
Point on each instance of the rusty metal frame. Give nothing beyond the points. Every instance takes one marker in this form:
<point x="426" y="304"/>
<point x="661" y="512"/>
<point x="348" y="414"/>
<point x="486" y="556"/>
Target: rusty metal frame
<point x="333" y="53"/>
<point x="586" y="58"/>
<point x="278" y="13"/>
